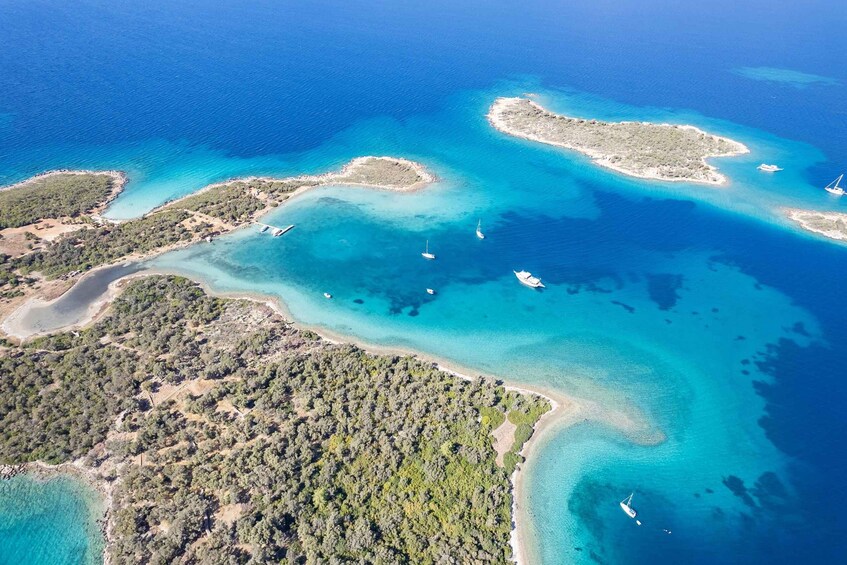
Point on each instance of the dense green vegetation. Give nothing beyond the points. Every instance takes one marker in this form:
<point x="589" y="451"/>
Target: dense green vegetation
<point x="53" y="196"/>
<point x="234" y="203"/>
<point x="524" y="417"/>
<point x="231" y="203"/>
<point x="11" y="282"/>
<point x="89" y="247"/>
<point x="287" y="449"/>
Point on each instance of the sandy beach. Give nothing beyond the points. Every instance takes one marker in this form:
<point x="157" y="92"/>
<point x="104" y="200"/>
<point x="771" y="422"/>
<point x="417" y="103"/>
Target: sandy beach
<point x="14" y="324"/>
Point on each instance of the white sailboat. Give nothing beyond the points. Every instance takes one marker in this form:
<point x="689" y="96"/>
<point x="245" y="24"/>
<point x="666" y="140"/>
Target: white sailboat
<point x="430" y="291"/>
<point x="835" y="186"/>
<point x="769" y="168"/>
<point x="625" y="506"/>
<point x="327" y="295"/>
<point x="479" y="233"/>
<point x="526" y="278"/>
<point x="426" y="254"/>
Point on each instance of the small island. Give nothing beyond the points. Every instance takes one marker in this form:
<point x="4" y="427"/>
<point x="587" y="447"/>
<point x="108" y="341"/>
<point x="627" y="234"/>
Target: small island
<point x="664" y="152"/>
<point x="828" y="224"/>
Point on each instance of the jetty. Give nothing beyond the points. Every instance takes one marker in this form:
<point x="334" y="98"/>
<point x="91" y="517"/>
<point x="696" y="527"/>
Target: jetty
<point x="275" y="230"/>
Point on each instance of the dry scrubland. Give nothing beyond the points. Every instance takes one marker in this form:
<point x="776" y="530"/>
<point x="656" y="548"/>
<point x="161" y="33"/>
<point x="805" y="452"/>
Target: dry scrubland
<point x="830" y="224"/>
<point x="657" y="151"/>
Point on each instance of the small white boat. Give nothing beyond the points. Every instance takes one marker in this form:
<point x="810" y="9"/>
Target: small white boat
<point x="430" y="291"/>
<point x="479" y="233"/>
<point x="277" y="232"/>
<point x="526" y="278"/>
<point x="835" y="187"/>
<point x="426" y="254"/>
<point x="628" y="510"/>
<point x="264" y="228"/>
<point x="769" y="168"/>
<point x="327" y="295"/>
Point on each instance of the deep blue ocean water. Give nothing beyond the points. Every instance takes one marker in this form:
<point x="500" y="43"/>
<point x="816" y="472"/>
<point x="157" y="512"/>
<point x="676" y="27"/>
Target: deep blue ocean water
<point x="682" y="310"/>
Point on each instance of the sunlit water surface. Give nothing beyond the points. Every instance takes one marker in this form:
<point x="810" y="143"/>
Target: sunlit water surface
<point x="696" y="311"/>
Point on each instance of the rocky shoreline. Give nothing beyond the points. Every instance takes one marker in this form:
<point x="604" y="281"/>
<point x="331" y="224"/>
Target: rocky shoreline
<point x="832" y="225"/>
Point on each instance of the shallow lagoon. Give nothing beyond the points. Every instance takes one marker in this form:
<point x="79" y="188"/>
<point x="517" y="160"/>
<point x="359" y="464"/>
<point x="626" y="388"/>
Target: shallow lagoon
<point x="75" y="306"/>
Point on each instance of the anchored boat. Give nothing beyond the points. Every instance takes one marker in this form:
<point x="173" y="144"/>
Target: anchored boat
<point x="769" y="168"/>
<point x="835" y="187"/>
<point x="430" y="291"/>
<point x="479" y="233"/>
<point x="625" y="506"/>
<point x="426" y="254"/>
<point x="527" y="279"/>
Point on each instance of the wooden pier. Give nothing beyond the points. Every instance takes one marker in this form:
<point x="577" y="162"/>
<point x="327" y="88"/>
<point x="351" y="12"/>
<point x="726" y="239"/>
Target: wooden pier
<point x="275" y="230"/>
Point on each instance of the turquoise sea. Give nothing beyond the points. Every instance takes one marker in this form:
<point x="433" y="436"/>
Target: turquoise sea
<point x="699" y="330"/>
<point x="49" y="521"/>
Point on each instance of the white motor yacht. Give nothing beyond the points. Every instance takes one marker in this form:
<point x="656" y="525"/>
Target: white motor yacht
<point x="526" y="278"/>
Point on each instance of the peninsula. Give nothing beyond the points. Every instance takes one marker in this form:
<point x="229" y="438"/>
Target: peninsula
<point x="216" y="430"/>
<point x="828" y="224"/>
<point x="663" y="152"/>
<point x="50" y="233"/>
<point x="219" y="433"/>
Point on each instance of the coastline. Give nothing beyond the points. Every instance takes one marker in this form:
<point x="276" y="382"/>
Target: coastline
<point x="119" y="176"/>
<point x="322" y="179"/>
<point x="831" y="225"/>
<point x="494" y="117"/>
<point x="100" y="506"/>
<point x="16" y="311"/>
<point x="95" y="310"/>
<point x="565" y="410"/>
